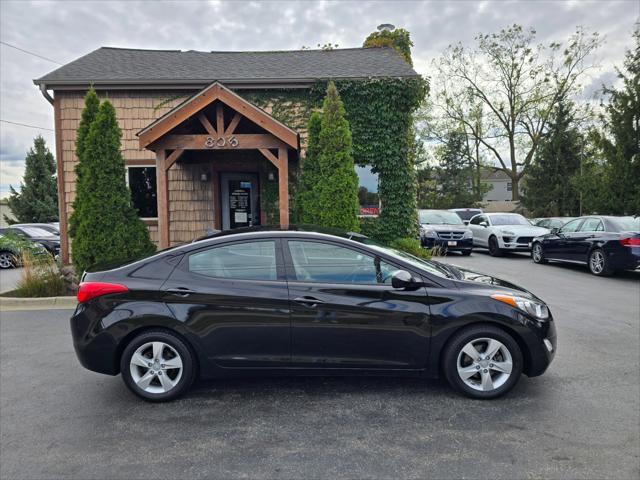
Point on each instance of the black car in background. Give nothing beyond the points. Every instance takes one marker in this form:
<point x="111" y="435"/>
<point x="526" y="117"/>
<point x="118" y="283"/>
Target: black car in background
<point x="37" y="235"/>
<point x="444" y="229"/>
<point x="552" y="222"/>
<point x="466" y="214"/>
<point x="270" y="301"/>
<point x="604" y="243"/>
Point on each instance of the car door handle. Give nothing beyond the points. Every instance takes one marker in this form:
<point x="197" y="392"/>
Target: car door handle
<point x="180" y="292"/>
<point x="310" y="302"/>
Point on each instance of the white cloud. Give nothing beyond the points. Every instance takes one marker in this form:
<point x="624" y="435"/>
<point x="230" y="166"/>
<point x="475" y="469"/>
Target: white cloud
<point x="64" y="31"/>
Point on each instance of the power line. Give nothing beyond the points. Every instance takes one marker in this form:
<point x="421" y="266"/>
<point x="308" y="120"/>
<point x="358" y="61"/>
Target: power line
<point x="27" y="125"/>
<point x="30" y="53"/>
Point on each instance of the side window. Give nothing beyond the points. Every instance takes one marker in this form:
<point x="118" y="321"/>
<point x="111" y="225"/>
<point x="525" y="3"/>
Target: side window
<point x="591" y="225"/>
<point x="248" y="261"/>
<point x="327" y="263"/>
<point x="572" y="226"/>
<point x="476" y="220"/>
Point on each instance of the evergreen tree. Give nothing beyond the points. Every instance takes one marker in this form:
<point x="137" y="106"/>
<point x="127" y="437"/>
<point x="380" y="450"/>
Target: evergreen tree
<point x="549" y="190"/>
<point x="107" y="226"/>
<point x="311" y="175"/>
<point x="336" y="191"/>
<point x="89" y="113"/>
<point x="455" y="186"/>
<point x="37" y="200"/>
<point x="620" y="144"/>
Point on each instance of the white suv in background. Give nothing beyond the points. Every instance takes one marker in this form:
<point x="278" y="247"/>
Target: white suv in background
<point x="500" y="232"/>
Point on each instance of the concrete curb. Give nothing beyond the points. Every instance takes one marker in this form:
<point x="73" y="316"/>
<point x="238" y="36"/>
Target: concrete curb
<point x="44" y="303"/>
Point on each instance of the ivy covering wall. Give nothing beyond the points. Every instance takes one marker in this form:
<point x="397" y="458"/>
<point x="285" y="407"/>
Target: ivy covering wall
<point x="380" y="113"/>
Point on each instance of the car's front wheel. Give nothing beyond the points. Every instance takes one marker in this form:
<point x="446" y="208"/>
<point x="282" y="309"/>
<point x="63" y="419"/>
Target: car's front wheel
<point x="157" y="366"/>
<point x="494" y="247"/>
<point x="7" y="260"/>
<point x="537" y="253"/>
<point x="482" y="362"/>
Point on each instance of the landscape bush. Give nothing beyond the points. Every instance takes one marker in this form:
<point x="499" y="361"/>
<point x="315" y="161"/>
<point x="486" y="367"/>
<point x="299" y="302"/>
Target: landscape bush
<point x="40" y="277"/>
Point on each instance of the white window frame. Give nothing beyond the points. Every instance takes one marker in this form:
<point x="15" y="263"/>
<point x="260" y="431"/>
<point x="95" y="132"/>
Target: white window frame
<point x="126" y="179"/>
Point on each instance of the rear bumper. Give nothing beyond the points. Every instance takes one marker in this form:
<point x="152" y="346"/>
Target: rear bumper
<point x="462" y="244"/>
<point x="627" y="259"/>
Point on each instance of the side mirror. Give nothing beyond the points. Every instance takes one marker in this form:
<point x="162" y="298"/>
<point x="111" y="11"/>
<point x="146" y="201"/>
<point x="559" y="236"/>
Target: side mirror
<point x="484" y="224"/>
<point x="403" y="279"/>
<point x="466" y="222"/>
<point x="555" y="230"/>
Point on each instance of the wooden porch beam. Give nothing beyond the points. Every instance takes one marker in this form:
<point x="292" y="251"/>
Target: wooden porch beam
<point x="162" y="186"/>
<point x="283" y="187"/>
<point x="219" y="119"/>
<point x="212" y="142"/>
<point x="270" y="156"/>
<point x="172" y="158"/>
<point x="234" y="123"/>
<point x="207" y="124"/>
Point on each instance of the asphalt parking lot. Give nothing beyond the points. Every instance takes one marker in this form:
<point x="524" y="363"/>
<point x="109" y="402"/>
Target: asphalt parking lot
<point x="579" y="420"/>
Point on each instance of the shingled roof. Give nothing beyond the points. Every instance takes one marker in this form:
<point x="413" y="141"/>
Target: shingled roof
<point x="122" y="66"/>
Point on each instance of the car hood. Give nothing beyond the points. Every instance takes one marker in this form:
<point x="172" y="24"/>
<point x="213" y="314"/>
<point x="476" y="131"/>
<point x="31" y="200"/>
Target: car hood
<point x="471" y="279"/>
<point x="46" y="239"/>
<point x="523" y="230"/>
<point x="444" y="228"/>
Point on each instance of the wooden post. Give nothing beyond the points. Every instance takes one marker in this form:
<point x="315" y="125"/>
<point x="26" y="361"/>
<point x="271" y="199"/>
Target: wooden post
<point x="162" y="186"/>
<point x="283" y="186"/>
<point x="62" y="197"/>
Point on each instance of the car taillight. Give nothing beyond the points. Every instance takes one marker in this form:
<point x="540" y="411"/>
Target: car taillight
<point x="89" y="290"/>
<point x="630" y="242"/>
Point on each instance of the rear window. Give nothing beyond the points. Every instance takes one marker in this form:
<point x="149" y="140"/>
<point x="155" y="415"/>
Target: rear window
<point x="624" y="224"/>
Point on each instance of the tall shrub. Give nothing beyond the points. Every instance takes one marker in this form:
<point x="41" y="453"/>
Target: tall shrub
<point x="107" y="226"/>
<point x="336" y="192"/>
<point x="89" y="113"/>
<point x="37" y="200"/>
<point x="308" y="211"/>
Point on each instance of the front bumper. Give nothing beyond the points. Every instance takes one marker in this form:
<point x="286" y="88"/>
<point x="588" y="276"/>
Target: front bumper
<point x="515" y="243"/>
<point x="542" y="348"/>
<point x="450" y="245"/>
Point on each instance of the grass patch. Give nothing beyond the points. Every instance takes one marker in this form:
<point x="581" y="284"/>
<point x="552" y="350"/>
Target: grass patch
<point x="40" y="277"/>
<point x="411" y="246"/>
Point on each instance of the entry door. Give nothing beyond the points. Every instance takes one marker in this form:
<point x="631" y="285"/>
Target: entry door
<point x="240" y="200"/>
<point x="346" y="314"/>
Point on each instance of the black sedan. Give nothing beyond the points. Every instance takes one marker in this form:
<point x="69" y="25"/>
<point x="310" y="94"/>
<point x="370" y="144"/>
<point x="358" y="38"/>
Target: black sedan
<point x="604" y="243"/>
<point x="295" y="302"/>
<point x="38" y="235"/>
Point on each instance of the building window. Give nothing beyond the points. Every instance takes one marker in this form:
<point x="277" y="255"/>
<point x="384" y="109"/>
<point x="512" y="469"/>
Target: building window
<point x="142" y="183"/>
<point x="509" y="186"/>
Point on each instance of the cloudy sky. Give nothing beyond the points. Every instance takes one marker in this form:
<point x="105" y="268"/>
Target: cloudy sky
<point x="64" y="30"/>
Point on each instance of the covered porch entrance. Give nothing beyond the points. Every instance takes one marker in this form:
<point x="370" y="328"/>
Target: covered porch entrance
<point x="220" y="163"/>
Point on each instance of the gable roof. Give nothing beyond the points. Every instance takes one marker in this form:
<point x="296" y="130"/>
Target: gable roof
<point x="122" y="66"/>
<point x="200" y="100"/>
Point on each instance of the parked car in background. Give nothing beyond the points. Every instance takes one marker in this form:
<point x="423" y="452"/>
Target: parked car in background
<point x="267" y="301"/>
<point x="604" y="243"/>
<point x="52" y="228"/>
<point x="38" y="235"/>
<point x="12" y="247"/>
<point x="551" y="222"/>
<point x="466" y="214"/>
<point x="444" y="229"/>
<point x="500" y="232"/>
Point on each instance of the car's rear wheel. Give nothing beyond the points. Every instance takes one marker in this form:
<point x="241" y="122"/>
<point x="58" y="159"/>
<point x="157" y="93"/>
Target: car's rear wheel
<point x="494" y="248"/>
<point x="482" y="362"/>
<point x="537" y="253"/>
<point x="157" y="366"/>
<point x="7" y="260"/>
<point x="599" y="264"/>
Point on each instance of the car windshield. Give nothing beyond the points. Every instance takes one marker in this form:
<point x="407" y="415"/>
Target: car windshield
<point x="467" y="214"/>
<point x="431" y="267"/>
<point x="35" y="232"/>
<point x="439" y="218"/>
<point x="626" y="224"/>
<point x="511" y="219"/>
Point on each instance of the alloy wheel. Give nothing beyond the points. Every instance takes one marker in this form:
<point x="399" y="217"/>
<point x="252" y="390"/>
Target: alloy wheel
<point x="6" y="260"/>
<point x="596" y="262"/>
<point x="156" y="367"/>
<point x="537" y="253"/>
<point x="484" y="364"/>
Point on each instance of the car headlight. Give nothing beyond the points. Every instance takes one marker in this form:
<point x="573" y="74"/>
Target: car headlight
<point x="508" y="233"/>
<point x="533" y="308"/>
<point x="467" y="234"/>
<point x="427" y="232"/>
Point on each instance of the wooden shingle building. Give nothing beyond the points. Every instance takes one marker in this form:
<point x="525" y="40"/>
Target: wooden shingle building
<point x="211" y="140"/>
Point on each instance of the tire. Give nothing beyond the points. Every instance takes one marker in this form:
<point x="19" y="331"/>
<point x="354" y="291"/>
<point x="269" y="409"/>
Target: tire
<point x="486" y="379"/>
<point x="494" y="249"/>
<point x="466" y="253"/>
<point x="537" y="253"/>
<point x="599" y="264"/>
<point x="7" y="260"/>
<point x="162" y="383"/>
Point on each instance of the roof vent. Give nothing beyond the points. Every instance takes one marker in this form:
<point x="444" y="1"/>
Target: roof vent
<point x="386" y="27"/>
